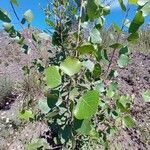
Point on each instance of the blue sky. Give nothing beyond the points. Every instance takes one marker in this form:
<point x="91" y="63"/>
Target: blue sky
<point x="115" y="16"/>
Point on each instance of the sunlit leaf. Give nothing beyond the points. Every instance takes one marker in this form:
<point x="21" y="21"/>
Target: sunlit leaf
<point x="133" y="37"/>
<point x="86" y="48"/>
<point x="73" y="93"/>
<point x="142" y="2"/>
<point x="106" y="10"/>
<point x="7" y="26"/>
<point x="87" y="105"/>
<point x="49" y="22"/>
<point x="123" y="60"/>
<point x="43" y="106"/>
<point x="26" y="115"/>
<point x="136" y="22"/>
<point x="85" y="127"/>
<point x="122" y="5"/>
<point x="4" y="17"/>
<point x="146" y="9"/>
<point x="37" y="144"/>
<point x="70" y="66"/>
<point x="128" y="121"/>
<point x="95" y="36"/>
<point x="117" y="28"/>
<point x="133" y="1"/>
<point x="28" y="15"/>
<point x="88" y="64"/>
<point x="53" y="77"/>
<point x="146" y="95"/>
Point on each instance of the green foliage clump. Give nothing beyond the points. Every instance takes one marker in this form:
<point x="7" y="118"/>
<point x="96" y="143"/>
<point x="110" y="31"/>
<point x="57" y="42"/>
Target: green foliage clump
<point x="81" y="102"/>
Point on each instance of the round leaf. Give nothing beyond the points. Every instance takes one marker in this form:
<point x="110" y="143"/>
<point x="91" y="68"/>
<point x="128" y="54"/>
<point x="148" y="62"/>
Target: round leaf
<point x="43" y="106"/>
<point x="123" y="61"/>
<point x="28" y="15"/>
<point x="86" y="48"/>
<point x="70" y="66"/>
<point x="128" y="121"/>
<point x="87" y="105"/>
<point x="26" y="115"/>
<point x="53" y="77"/>
<point x="95" y="36"/>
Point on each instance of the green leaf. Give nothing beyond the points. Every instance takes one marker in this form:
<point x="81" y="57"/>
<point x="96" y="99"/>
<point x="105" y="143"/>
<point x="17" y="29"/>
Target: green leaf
<point x="128" y="121"/>
<point x="28" y="15"/>
<point x="146" y="95"/>
<point x="122" y="5"/>
<point x="7" y="26"/>
<point x="117" y="28"/>
<point x="104" y="56"/>
<point x="93" y="9"/>
<point x="106" y="10"/>
<point x="86" y="48"/>
<point x="37" y="144"/>
<point x="146" y="9"/>
<point x="95" y="36"/>
<point x="116" y="45"/>
<point x="136" y="22"/>
<point x="133" y="1"/>
<point x="53" y="77"/>
<point x="123" y="60"/>
<point x="110" y="93"/>
<point x="52" y="98"/>
<point x="70" y="66"/>
<point x="89" y="65"/>
<point x="85" y="127"/>
<point x="15" y="2"/>
<point x="26" y="115"/>
<point x="49" y="22"/>
<point x="133" y="37"/>
<point x="99" y="86"/>
<point x="43" y="106"/>
<point x="113" y="73"/>
<point x="4" y="17"/>
<point x="87" y="105"/>
<point x="73" y="93"/>
<point x="124" y="50"/>
<point x="97" y="71"/>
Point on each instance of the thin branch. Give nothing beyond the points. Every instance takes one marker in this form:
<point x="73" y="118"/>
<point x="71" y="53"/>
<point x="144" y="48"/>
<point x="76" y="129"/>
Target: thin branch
<point x="16" y="15"/>
<point x="79" y="24"/>
<point x="118" y="37"/>
<point x="12" y="6"/>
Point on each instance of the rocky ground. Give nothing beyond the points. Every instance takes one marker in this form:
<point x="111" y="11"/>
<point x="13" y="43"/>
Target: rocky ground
<point x="132" y="80"/>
